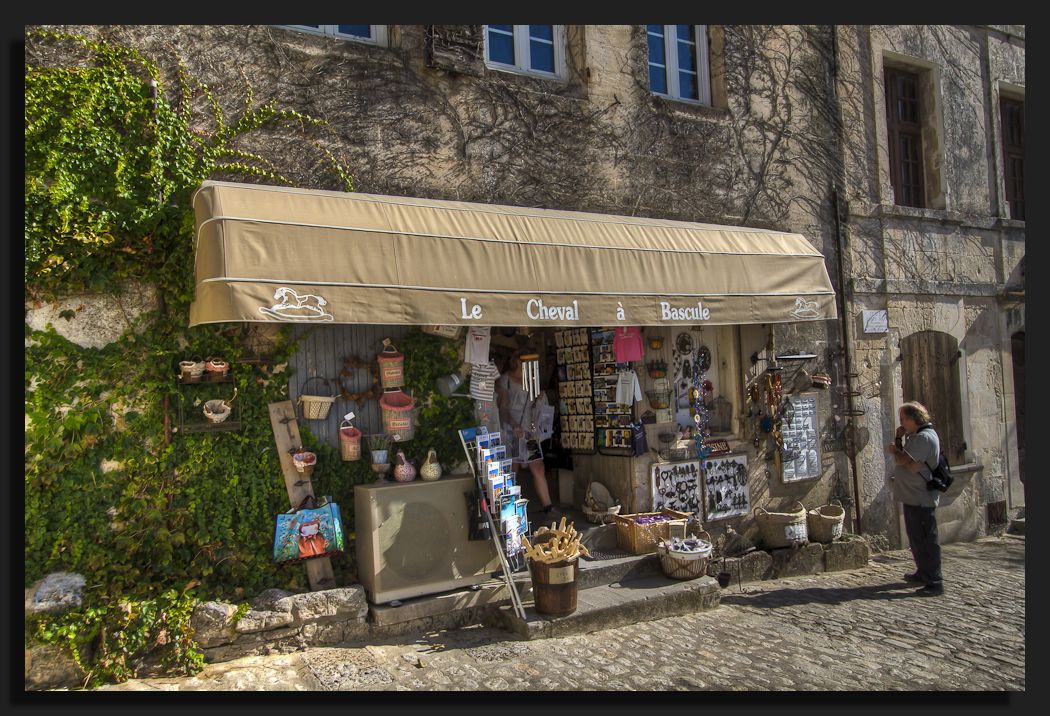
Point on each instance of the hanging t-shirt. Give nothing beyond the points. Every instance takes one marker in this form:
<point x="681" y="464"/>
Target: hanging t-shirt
<point x="483" y="380"/>
<point x="627" y="344"/>
<point x="627" y="387"/>
<point x="478" y="338"/>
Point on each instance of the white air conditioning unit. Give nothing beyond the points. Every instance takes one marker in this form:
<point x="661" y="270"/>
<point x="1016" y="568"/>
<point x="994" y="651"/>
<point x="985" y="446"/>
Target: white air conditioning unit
<point x="412" y="538"/>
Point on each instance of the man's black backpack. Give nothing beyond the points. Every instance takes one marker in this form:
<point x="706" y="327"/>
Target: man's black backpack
<point x="940" y="476"/>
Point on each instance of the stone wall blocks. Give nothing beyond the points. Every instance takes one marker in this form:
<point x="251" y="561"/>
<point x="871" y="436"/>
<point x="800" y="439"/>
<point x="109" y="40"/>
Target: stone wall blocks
<point x="798" y="561"/>
<point x="853" y="554"/>
<point x="57" y="592"/>
<point x="255" y="621"/>
<point x="327" y="605"/>
<point x="212" y="623"/>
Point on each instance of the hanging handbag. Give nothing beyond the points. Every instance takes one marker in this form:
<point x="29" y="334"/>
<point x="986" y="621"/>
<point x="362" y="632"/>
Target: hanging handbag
<point x="544" y="414"/>
<point x="308" y="532"/>
<point x="638" y="439"/>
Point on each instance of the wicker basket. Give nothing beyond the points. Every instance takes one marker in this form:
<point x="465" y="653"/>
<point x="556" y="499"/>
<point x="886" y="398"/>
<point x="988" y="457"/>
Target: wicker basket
<point x="824" y="524"/>
<point x="642" y="539"/>
<point x="315" y="407"/>
<point x="782" y="529"/>
<point x="399" y="415"/>
<point x="600" y="518"/>
<point x="349" y="441"/>
<point x="217" y="410"/>
<point x="677" y="565"/>
<point x="304" y="462"/>
<point x="391" y="367"/>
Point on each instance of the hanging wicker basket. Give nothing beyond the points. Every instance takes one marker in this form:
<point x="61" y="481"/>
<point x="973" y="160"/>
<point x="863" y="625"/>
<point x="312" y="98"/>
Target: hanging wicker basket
<point x="315" y="407"/>
<point x="782" y="529"/>
<point x="824" y="524"/>
<point x="391" y="367"/>
<point x="304" y="462"/>
<point x="399" y="411"/>
<point x="349" y="441"/>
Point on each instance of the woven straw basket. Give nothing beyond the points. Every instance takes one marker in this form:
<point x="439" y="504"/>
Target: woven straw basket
<point x="349" y="441"/>
<point x="315" y="407"/>
<point x="642" y="539"/>
<point x="782" y="529"/>
<point x="824" y="524"/>
<point x="677" y="565"/>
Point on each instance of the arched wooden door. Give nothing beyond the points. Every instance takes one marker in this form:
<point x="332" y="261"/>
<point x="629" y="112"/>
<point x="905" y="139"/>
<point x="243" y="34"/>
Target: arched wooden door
<point x="930" y="375"/>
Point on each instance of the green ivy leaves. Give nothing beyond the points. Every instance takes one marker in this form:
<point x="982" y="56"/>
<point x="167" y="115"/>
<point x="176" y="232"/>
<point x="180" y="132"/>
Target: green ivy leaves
<point x="108" y="177"/>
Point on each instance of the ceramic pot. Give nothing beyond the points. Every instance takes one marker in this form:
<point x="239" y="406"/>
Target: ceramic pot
<point x="379" y="457"/>
<point x="431" y="468"/>
<point x="404" y="471"/>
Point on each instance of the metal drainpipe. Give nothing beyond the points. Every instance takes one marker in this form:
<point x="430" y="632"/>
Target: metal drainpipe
<point x="840" y="297"/>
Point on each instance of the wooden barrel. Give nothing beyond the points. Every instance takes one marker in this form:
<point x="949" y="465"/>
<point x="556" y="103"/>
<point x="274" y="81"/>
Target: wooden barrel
<point x="554" y="586"/>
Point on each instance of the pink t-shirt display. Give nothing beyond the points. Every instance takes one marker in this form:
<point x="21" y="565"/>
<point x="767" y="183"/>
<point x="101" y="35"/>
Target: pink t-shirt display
<point x="627" y="344"/>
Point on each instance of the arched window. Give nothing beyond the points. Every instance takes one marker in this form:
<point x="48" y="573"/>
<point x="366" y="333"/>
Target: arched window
<point x="931" y="375"/>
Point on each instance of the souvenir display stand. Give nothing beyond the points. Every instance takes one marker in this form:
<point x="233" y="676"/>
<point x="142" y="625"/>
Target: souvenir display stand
<point x="494" y="479"/>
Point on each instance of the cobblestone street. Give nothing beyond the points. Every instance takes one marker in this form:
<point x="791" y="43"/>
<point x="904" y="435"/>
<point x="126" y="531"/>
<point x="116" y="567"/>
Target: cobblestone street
<point x="856" y="630"/>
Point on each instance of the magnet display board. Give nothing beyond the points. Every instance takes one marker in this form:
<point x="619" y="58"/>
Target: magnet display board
<point x="725" y="487"/>
<point x="801" y="457"/>
<point x="676" y="486"/>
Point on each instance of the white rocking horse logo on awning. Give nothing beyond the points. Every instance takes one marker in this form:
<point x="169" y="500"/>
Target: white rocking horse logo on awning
<point x="290" y="306"/>
<point x="805" y="309"/>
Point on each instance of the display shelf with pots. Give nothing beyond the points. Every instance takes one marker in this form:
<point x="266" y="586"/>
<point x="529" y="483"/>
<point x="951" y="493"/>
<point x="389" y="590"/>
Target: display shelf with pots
<point x="215" y="392"/>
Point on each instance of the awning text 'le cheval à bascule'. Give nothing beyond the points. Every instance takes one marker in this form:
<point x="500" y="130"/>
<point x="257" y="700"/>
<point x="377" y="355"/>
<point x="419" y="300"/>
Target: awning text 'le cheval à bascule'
<point x="268" y="253"/>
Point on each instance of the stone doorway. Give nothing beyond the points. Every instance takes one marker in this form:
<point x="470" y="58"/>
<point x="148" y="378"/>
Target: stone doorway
<point x="1017" y="341"/>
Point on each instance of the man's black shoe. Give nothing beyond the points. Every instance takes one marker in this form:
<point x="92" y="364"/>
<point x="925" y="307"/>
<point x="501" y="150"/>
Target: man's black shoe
<point x="914" y="577"/>
<point x="930" y="590"/>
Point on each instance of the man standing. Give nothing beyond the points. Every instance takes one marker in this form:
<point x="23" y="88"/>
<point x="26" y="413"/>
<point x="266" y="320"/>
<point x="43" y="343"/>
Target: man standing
<point x="915" y="448"/>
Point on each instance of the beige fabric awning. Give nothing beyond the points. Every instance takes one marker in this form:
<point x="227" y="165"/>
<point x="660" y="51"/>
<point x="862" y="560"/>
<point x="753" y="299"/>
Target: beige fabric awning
<point x="277" y="254"/>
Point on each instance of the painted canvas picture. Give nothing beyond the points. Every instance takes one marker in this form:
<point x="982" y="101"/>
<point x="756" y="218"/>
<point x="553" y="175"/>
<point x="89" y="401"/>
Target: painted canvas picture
<point x="306" y="534"/>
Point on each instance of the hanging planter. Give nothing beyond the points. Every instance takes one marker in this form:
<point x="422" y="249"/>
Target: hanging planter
<point x="398" y="415"/>
<point x="315" y="407"/>
<point x="349" y="441"/>
<point x="304" y="462"/>
<point x="391" y="366"/>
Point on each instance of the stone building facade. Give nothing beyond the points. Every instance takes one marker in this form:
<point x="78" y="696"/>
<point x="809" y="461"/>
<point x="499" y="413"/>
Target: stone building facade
<point x="949" y="273"/>
<point x="791" y="137"/>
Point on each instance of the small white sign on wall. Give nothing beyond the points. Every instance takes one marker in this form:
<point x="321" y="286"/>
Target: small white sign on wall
<point x="876" y="321"/>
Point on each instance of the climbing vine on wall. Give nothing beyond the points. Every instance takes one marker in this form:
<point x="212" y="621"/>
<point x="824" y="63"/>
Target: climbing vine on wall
<point x="151" y="523"/>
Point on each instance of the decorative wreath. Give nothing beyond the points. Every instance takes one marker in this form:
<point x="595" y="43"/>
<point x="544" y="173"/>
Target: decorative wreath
<point x="352" y="363"/>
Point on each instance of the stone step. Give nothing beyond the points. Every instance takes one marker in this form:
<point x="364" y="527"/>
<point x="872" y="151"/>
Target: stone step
<point x="614" y="605"/>
<point x="598" y="573"/>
